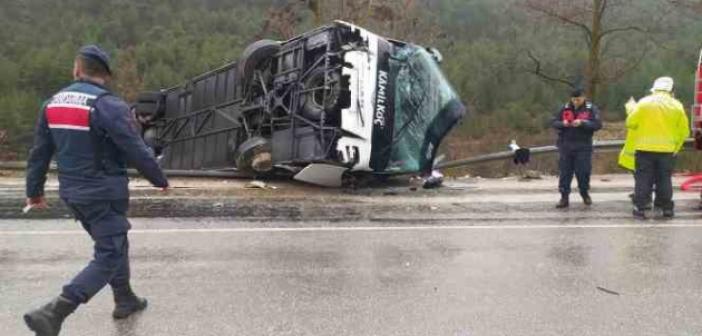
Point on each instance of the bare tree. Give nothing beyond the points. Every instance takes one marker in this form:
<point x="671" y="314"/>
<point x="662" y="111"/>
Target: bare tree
<point x="284" y="19"/>
<point x="692" y="5"/>
<point x="602" y="24"/>
<point x="5" y="152"/>
<point x="128" y="80"/>
<point x="401" y="19"/>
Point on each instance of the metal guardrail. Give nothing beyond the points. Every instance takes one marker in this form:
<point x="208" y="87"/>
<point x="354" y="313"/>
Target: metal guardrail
<point x="600" y="146"/>
<point x="20" y="165"/>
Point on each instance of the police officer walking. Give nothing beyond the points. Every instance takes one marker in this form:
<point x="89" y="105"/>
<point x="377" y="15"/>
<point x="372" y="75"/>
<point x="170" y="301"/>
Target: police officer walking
<point x="659" y="127"/>
<point x="93" y="136"/>
<point x="576" y="122"/>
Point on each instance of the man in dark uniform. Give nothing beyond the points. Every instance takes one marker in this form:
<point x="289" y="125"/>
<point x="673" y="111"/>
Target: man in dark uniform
<point x="576" y="122"/>
<point x="93" y="136"/>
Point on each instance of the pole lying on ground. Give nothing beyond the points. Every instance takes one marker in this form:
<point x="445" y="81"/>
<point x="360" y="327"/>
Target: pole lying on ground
<point x="600" y="146"/>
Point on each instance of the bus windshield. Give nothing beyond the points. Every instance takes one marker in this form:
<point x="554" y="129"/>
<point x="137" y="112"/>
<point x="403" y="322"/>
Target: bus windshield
<point x="424" y="106"/>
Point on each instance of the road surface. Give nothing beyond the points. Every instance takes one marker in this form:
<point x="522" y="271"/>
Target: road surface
<point x="579" y="272"/>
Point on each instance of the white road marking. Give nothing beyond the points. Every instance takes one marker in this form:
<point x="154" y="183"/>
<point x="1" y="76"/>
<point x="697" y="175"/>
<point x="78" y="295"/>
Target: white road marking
<point x="660" y="225"/>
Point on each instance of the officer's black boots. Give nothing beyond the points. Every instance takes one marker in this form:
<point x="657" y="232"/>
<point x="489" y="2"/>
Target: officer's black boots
<point x="126" y="302"/>
<point x="47" y="320"/>
<point x="639" y="213"/>
<point x="659" y="213"/>
<point x="563" y="203"/>
<point x="668" y="213"/>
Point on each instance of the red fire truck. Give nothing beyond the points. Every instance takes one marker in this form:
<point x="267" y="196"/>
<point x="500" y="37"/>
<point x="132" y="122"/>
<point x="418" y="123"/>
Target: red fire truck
<point x="697" y="106"/>
<point x="696" y="120"/>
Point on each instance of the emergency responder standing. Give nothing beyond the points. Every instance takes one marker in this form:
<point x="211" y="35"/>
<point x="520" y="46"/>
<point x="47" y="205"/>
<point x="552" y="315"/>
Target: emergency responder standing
<point x="576" y="122"/>
<point x="93" y="136"/>
<point x="661" y="127"/>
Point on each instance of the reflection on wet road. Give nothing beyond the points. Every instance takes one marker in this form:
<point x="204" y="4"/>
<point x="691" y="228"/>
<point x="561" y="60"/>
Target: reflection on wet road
<point x="593" y="278"/>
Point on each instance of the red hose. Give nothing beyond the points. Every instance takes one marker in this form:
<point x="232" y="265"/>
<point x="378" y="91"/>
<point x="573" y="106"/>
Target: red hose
<point x="687" y="184"/>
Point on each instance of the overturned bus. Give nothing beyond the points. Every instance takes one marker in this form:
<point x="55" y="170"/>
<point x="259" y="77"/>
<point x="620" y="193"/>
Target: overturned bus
<point x="335" y="101"/>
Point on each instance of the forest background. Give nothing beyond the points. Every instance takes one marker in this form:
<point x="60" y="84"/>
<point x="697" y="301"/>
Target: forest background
<point x="513" y="62"/>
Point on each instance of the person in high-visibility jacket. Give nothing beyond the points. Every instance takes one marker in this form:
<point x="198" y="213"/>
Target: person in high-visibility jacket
<point x="659" y="126"/>
<point x="627" y="156"/>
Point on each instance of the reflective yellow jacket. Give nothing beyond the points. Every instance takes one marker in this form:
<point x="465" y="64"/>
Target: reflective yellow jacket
<point x="658" y="124"/>
<point x="627" y="158"/>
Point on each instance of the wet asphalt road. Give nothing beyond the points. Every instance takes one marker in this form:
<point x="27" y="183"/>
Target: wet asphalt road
<point x="590" y="276"/>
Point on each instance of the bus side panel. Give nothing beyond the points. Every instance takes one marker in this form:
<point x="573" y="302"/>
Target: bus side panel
<point x="201" y="116"/>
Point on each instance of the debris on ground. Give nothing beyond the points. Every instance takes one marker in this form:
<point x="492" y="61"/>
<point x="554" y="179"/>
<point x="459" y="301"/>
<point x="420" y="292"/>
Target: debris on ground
<point x="434" y="180"/>
<point x="530" y="175"/>
<point x="607" y="290"/>
<point x="256" y="184"/>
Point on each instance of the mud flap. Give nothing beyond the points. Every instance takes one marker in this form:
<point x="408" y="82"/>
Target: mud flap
<point x="322" y="174"/>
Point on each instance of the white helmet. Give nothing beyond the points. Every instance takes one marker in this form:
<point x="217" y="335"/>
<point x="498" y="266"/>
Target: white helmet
<point x="663" y="84"/>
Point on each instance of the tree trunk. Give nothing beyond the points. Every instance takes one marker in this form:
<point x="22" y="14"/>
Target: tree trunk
<point x="593" y="69"/>
<point x="316" y="7"/>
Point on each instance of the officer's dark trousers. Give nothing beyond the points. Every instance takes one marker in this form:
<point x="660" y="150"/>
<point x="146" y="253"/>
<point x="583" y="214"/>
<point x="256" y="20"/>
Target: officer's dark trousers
<point x="654" y="169"/>
<point x="107" y="225"/>
<point x="574" y="161"/>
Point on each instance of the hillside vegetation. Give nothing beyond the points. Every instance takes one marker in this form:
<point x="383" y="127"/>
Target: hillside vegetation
<point x="512" y="61"/>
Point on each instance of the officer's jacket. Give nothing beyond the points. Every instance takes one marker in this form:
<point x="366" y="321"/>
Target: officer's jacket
<point x="658" y="124"/>
<point x="580" y="136"/>
<point x="627" y="156"/>
<point x="93" y="135"/>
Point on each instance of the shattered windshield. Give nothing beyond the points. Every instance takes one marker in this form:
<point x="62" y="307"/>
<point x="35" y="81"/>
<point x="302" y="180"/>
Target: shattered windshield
<point x="421" y="94"/>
